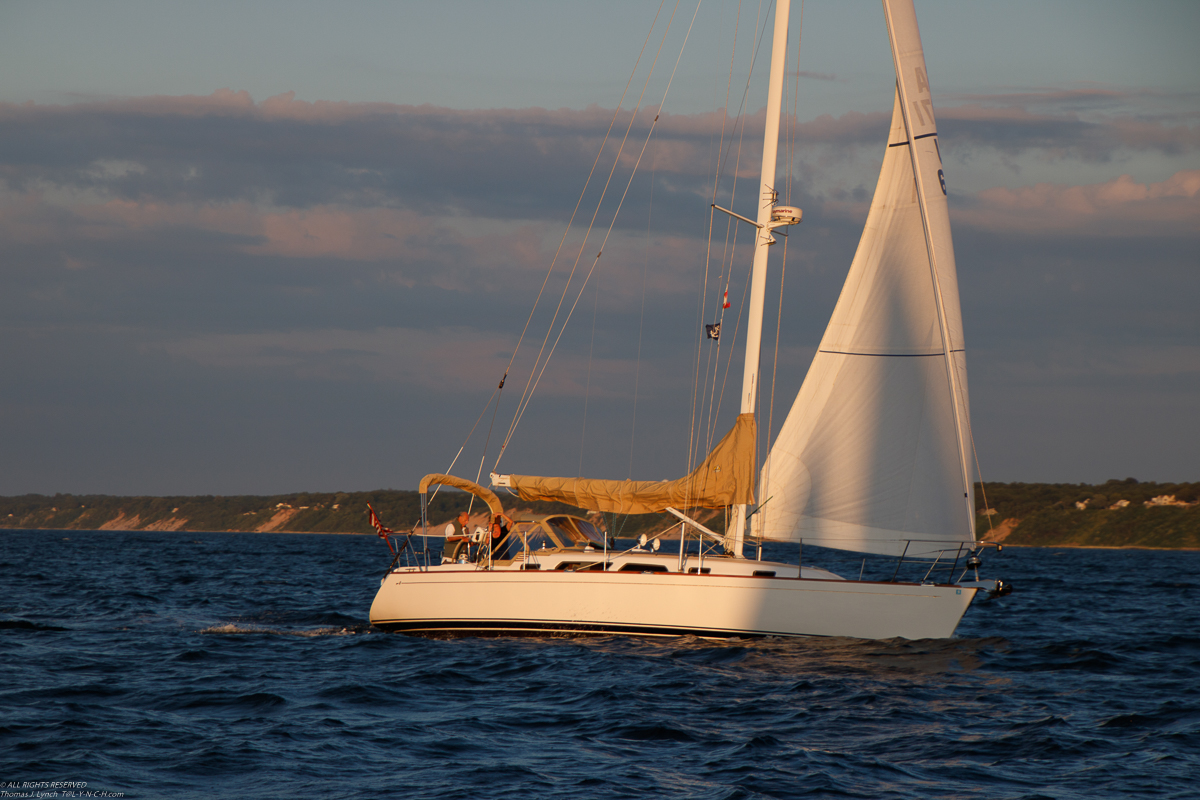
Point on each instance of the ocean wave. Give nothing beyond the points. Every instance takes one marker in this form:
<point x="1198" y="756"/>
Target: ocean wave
<point x="249" y="682"/>
<point x="233" y="628"/>
<point x="26" y="625"/>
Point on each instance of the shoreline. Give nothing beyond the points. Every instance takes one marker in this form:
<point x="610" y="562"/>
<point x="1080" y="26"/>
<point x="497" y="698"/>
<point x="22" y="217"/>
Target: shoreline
<point x="6" y="529"/>
<point x="1118" y="514"/>
<point x="357" y="533"/>
<point x="1103" y="547"/>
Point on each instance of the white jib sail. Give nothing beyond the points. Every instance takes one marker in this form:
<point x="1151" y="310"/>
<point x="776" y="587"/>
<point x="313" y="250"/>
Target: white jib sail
<point x="873" y="455"/>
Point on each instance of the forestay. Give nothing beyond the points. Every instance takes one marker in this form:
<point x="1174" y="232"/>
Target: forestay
<point x="873" y="455"/>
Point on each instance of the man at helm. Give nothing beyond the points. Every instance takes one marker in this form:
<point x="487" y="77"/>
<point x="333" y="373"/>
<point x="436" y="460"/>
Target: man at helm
<point x="457" y="538"/>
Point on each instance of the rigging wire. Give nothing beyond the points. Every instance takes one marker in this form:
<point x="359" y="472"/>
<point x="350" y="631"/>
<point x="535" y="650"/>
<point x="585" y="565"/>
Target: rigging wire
<point x="468" y="439"/>
<point x="587" y="391"/>
<point x="613" y="525"/>
<point x="500" y="388"/>
<point x="696" y="392"/>
<point x="728" y="259"/>
<point x="979" y="471"/>
<point x="491" y="425"/>
<point x="620" y="203"/>
<point x="729" y="362"/>
<point x="730" y="249"/>
<point x="637" y="372"/>
<point x="765" y="489"/>
<point x="570" y="222"/>
<point x="532" y="383"/>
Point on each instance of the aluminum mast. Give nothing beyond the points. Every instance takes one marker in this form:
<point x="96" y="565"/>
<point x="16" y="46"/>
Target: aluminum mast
<point x="736" y="533"/>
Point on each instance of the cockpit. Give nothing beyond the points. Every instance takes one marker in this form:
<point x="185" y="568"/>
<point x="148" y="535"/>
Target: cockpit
<point x="555" y="531"/>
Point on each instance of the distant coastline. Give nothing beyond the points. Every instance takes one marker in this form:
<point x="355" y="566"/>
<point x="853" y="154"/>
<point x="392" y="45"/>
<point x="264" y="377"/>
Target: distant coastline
<point x="1117" y="514"/>
<point x="304" y="512"/>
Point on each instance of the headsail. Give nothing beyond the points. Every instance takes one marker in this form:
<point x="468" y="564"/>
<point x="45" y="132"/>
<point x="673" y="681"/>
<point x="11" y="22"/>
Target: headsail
<point x="874" y="452"/>
<point x="726" y="477"/>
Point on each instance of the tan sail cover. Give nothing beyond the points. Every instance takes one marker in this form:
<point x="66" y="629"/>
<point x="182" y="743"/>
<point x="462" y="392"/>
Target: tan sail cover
<point x="726" y="477"/>
<point x="484" y="494"/>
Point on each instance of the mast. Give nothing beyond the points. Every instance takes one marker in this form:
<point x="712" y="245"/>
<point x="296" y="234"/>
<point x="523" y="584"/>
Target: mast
<point x="735" y="536"/>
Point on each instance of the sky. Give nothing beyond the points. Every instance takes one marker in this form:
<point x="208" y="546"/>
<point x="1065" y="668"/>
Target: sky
<point x="270" y="247"/>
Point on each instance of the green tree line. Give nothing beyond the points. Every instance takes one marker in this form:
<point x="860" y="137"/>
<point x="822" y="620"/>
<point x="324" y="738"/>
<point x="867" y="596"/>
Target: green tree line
<point x="1114" y="513"/>
<point x="302" y="512"/>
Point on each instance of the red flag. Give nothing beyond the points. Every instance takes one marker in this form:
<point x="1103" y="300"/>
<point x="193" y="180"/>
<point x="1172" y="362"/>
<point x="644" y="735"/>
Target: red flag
<point x="377" y="525"/>
<point x="726" y="300"/>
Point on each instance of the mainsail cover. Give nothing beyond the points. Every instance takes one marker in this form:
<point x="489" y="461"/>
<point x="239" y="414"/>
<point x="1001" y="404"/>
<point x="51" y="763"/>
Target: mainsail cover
<point x="726" y="477"/>
<point x="873" y="454"/>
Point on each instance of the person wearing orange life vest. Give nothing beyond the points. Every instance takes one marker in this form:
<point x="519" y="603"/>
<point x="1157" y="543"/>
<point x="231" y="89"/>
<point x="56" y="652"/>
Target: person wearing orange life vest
<point x="501" y="524"/>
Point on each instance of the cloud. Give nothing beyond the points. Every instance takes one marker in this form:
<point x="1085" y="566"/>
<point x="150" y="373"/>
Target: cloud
<point x="518" y="164"/>
<point x="470" y="202"/>
<point x="1079" y="98"/>
<point x="1162" y="136"/>
<point x="1120" y="207"/>
<point x="1094" y="124"/>
<point x="444" y="359"/>
<point x="1077" y="364"/>
<point x="295" y="252"/>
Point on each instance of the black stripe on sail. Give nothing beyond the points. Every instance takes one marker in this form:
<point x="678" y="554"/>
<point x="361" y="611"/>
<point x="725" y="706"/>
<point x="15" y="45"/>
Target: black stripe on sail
<point x="922" y="136"/>
<point x="889" y="355"/>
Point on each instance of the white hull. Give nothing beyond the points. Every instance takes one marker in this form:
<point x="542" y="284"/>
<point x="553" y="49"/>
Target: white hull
<point x="463" y="600"/>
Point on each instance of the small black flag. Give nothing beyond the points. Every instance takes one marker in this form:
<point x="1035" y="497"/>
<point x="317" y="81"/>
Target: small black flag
<point x="713" y="331"/>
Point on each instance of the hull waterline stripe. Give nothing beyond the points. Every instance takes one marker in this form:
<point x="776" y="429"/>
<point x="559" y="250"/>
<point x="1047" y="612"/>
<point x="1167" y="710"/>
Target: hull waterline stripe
<point x="543" y="628"/>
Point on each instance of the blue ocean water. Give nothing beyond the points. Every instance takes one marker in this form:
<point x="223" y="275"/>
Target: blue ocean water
<point x="185" y="665"/>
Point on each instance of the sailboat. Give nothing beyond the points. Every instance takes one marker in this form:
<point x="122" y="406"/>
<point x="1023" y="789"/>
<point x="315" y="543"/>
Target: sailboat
<point x="872" y="458"/>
